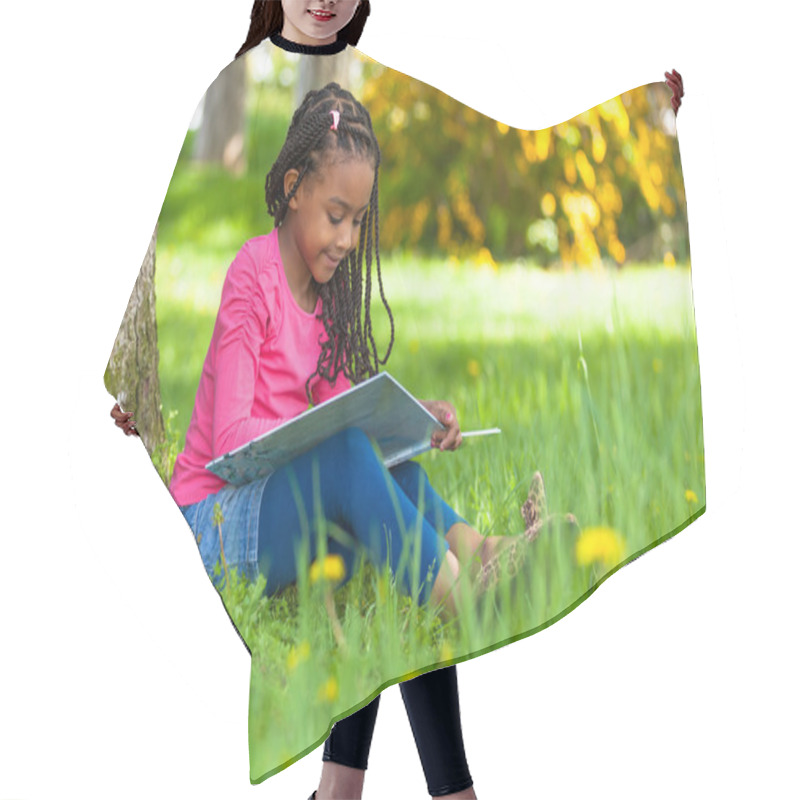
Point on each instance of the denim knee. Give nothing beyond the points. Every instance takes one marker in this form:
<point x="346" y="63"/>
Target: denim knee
<point x="411" y="473"/>
<point x="356" y="442"/>
<point x="353" y="448"/>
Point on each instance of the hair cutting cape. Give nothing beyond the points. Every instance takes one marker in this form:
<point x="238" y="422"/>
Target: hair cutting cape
<point x="539" y="281"/>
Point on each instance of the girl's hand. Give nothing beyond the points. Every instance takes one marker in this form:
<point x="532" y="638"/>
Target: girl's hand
<point x="449" y="439"/>
<point x="122" y="419"/>
<point x="675" y="82"/>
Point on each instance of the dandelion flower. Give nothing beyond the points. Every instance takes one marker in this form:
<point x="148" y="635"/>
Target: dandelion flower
<point x="329" y="690"/>
<point x="331" y="568"/>
<point x="413" y="346"/>
<point x="599" y="544"/>
<point x="691" y="497"/>
<point x="298" y="654"/>
<point x="473" y="368"/>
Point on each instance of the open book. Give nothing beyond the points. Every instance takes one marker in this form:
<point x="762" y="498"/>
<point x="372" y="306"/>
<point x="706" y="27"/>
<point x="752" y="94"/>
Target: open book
<point x="400" y="425"/>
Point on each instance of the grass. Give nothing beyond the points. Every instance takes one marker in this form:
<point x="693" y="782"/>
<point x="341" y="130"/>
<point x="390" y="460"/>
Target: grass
<point x="593" y="378"/>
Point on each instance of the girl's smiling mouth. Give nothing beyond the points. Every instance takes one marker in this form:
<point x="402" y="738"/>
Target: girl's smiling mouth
<point x="323" y="16"/>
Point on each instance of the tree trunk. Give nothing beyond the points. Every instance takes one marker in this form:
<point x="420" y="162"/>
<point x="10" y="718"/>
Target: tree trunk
<point x="132" y="371"/>
<point x="315" y="71"/>
<point x="221" y="136"/>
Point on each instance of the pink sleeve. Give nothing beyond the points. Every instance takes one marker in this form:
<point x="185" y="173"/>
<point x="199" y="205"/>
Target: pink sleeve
<point x="240" y="331"/>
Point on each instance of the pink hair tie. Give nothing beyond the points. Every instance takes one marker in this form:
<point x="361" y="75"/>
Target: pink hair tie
<point x="335" y="125"/>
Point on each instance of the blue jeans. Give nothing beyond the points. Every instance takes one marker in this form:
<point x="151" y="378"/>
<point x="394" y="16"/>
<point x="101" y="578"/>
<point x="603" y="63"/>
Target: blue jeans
<point x="386" y="515"/>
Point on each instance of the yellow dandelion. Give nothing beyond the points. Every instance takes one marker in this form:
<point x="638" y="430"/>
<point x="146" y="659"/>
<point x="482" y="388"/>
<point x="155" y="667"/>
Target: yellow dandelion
<point x="599" y="544"/>
<point x="669" y="260"/>
<point x="691" y="497"/>
<point x="329" y="690"/>
<point x="658" y="365"/>
<point x="413" y="346"/>
<point x="447" y="651"/>
<point x="298" y="654"/>
<point x="473" y="368"/>
<point x="331" y="568"/>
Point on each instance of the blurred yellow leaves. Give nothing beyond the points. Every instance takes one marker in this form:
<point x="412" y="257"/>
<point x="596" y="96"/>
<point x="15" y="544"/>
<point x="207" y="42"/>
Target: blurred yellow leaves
<point x="613" y="111"/>
<point x="585" y="169"/>
<point x="484" y="259"/>
<point x="459" y="183"/>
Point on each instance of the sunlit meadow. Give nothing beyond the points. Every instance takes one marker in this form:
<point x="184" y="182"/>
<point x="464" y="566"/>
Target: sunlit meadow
<point x="592" y="377"/>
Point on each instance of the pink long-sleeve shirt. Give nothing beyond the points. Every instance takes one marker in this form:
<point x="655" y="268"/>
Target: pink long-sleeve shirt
<point x="263" y="349"/>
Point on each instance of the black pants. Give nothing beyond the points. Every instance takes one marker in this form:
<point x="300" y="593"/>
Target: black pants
<point x="432" y="706"/>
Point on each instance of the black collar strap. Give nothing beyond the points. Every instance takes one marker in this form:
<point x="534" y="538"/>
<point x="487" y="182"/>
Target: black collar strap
<point x="308" y="49"/>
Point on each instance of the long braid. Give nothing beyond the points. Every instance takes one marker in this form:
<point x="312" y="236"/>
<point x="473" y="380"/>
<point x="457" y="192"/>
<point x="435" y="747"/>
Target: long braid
<point x="350" y="345"/>
<point x="266" y="18"/>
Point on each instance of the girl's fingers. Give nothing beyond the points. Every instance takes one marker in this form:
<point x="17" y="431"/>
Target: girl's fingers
<point x="119" y="415"/>
<point x="449" y="442"/>
<point x="675" y="81"/>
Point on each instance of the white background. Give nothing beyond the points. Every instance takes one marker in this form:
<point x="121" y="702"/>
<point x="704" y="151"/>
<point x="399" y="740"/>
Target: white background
<point x="120" y="675"/>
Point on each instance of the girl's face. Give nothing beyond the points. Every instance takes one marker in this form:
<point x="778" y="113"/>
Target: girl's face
<point x="328" y="210"/>
<point x="315" y="22"/>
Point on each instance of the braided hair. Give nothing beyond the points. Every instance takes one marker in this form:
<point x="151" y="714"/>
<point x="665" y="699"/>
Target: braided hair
<point x="310" y="146"/>
<point x="266" y="18"/>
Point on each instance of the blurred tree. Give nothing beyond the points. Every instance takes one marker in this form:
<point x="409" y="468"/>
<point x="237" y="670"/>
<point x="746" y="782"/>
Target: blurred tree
<point x="220" y="139"/>
<point x="314" y="72"/>
<point x="132" y="371"/>
<point x="577" y="193"/>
